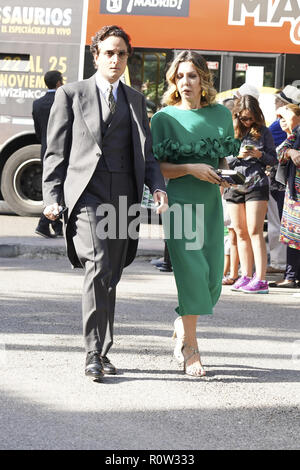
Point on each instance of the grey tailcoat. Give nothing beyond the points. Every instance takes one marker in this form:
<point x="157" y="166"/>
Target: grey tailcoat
<point x="74" y="148"/>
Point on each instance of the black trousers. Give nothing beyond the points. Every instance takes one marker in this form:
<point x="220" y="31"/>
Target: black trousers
<point x="101" y="249"/>
<point x="292" y="271"/>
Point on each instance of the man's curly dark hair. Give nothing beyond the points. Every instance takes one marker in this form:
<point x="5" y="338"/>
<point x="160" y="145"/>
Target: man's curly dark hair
<point x="104" y="33"/>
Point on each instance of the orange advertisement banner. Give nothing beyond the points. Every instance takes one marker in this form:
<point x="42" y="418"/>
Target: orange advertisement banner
<point x="219" y="25"/>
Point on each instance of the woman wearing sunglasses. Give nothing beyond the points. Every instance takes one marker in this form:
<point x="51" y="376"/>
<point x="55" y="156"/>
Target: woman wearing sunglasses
<point x="248" y="208"/>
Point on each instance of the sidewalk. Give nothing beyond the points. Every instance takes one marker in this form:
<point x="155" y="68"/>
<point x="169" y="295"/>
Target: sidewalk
<point x="17" y="238"/>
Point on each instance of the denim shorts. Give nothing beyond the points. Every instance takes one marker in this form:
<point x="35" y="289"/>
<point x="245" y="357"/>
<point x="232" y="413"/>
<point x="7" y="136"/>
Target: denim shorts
<point x="260" y="193"/>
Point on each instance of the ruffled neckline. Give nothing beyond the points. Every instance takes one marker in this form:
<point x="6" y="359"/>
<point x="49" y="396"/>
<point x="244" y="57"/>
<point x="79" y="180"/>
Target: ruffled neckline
<point x="170" y="150"/>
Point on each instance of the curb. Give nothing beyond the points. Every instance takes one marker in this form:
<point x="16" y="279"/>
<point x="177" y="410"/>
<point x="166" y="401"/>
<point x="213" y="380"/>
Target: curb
<point x="30" y="251"/>
<point x="44" y="252"/>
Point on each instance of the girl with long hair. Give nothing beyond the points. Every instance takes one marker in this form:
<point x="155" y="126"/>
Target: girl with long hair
<point x="248" y="207"/>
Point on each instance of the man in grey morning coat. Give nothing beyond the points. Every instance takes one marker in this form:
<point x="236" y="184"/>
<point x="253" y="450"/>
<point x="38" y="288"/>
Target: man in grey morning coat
<point x="99" y="148"/>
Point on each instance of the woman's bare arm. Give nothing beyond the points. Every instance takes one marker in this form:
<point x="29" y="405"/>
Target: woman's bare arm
<point x="201" y="171"/>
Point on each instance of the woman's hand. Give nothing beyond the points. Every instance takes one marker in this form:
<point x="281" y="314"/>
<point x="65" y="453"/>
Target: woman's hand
<point x="202" y="171"/>
<point x="268" y="170"/>
<point x="295" y="157"/>
<point x="246" y="152"/>
<point x="205" y="172"/>
<point x="243" y="153"/>
<point x="255" y="153"/>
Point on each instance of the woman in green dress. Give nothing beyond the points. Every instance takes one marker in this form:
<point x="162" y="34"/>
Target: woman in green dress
<point x="191" y="137"/>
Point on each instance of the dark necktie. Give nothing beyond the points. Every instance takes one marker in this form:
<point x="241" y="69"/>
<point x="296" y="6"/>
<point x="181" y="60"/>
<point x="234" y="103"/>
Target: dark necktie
<point x="111" y="100"/>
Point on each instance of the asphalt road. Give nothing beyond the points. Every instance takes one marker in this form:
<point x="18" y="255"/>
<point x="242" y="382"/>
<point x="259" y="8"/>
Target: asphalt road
<point x="250" y="347"/>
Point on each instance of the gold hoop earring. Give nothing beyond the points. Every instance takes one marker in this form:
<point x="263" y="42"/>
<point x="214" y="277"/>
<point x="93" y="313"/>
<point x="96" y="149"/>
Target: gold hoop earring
<point x="203" y="93"/>
<point x="176" y="94"/>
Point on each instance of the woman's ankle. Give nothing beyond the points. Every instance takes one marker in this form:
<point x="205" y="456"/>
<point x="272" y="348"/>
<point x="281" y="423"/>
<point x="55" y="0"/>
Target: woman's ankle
<point x="190" y="342"/>
<point x="234" y="275"/>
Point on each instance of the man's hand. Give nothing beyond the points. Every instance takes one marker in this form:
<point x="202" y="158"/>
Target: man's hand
<point x="52" y="211"/>
<point x="160" y="201"/>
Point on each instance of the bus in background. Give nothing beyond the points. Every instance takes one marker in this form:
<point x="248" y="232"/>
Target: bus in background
<point x="38" y="36"/>
<point x="255" y="41"/>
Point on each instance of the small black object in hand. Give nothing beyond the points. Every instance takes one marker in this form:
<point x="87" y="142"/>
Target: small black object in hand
<point x="231" y="176"/>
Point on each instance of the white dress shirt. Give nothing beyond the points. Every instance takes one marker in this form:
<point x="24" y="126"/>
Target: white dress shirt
<point x="104" y="86"/>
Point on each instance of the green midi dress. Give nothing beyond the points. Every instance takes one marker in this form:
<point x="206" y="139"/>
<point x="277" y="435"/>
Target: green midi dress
<point x="194" y="227"/>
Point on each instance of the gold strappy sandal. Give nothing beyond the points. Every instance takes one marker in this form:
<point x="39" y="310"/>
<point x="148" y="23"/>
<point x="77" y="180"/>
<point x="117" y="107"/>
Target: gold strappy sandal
<point x="192" y="370"/>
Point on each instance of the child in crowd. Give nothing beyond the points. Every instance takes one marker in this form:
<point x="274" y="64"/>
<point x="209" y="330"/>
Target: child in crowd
<point x="231" y="255"/>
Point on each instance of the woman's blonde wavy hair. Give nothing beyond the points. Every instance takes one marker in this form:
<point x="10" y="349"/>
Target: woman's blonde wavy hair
<point x="172" y="96"/>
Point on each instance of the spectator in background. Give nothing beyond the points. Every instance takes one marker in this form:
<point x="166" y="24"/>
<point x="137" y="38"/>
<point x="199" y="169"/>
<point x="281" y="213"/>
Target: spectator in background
<point x="246" y="89"/>
<point x="289" y="157"/>
<point x="231" y="259"/>
<point x="40" y="113"/>
<point x="278" y="251"/>
<point x="250" y="90"/>
<point x="248" y="209"/>
<point x="229" y="103"/>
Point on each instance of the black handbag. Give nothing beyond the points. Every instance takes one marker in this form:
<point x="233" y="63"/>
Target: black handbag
<point x="282" y="174"/>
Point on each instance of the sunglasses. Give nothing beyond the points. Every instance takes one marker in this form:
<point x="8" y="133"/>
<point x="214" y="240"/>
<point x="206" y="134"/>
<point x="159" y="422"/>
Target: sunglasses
<point x="246" y="119"/>
<point x="122" y="55"/>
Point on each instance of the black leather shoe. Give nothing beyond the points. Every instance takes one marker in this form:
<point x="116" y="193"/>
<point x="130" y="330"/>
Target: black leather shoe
<point x="94" y="365"/>
<point x="108" y="367"/>
<point x="285" y="284"/>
